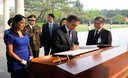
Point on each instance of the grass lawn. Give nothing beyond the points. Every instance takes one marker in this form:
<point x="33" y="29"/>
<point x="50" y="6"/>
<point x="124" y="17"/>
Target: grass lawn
<point x="84" y="27"/>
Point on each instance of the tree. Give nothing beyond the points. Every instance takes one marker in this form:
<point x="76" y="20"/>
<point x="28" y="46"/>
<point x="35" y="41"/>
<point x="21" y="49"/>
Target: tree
<point x="118" y="18"/>
<point x="42" y="7"/>
<point x="91" y="14"/>
<point x="63" y="8"/>
<point x="79" y="5"/>
<point x="124" y="12"/>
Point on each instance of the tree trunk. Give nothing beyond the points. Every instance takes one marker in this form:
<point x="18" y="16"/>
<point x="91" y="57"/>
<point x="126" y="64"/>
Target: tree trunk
<point x="41" y="14"/>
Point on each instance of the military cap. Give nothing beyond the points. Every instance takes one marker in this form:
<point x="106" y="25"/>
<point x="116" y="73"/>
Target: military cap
<point x="31" y="17"/>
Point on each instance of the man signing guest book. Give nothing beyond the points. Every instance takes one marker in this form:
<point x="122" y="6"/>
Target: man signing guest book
<point x="65" y="38"/>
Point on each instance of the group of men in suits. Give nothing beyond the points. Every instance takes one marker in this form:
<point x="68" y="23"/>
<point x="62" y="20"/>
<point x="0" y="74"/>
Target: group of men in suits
<point x="58" y="39"/>
<point x="65" y="38"/>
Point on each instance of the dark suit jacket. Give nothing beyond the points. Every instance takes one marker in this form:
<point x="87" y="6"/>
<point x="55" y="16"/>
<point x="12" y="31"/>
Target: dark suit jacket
<point x="61" y="42"/>
<point x="106" y="37"/>
<point x="46" y="39"/>
<point x="35" y="37"/>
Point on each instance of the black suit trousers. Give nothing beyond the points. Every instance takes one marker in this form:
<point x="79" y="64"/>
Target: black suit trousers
<point x="46" y="50"/>
<point x="35" y="53"/>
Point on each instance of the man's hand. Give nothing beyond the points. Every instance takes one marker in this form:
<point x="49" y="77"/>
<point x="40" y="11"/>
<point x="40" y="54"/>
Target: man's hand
<point x="74" y="47"/>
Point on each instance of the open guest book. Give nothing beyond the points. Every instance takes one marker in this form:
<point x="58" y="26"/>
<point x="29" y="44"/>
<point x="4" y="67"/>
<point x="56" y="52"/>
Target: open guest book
<point x="81" y="50"/>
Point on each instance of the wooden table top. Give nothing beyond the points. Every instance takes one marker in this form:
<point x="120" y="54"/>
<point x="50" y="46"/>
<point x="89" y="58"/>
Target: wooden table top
<point x="80" y="63"/>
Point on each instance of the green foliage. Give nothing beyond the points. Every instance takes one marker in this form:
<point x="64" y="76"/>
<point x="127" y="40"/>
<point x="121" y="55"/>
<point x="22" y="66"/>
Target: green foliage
<point x="124" y="12"/>
<point x="91" y="14"/>
<point x="60" y="7"/>
<point x="63" y="8"/>
<point x="84" y="27"/>
<point x="118" y="18"/>
<point x="79" y="5"/>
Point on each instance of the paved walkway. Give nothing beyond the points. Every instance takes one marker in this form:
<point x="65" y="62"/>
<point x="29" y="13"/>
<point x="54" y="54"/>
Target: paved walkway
<point x="3" y="65"/>
<point x="120" y="37"/>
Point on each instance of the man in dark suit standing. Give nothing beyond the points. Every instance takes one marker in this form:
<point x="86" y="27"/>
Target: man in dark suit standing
<point x="65" y="38"/>
<point x="34" y="35"/>
<point x="99" y="35"/>
<point x="47" y="31"/>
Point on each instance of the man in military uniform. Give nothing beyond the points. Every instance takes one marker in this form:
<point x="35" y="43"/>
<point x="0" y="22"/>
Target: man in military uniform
<point x="34" y="35"/>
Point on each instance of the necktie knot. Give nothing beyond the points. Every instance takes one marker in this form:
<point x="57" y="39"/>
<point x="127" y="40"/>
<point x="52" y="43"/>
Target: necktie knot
<point x="97" y="31"/>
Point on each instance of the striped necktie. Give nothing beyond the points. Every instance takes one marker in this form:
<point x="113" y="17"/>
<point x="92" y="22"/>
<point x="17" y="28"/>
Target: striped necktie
<point x="70" y="35"/>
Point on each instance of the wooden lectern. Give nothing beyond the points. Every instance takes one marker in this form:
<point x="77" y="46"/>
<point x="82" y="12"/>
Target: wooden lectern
<point x="108" y="62"/>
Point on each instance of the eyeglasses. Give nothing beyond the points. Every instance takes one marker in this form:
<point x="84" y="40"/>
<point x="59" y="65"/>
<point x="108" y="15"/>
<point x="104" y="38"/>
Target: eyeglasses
<point x="73" y="24"/>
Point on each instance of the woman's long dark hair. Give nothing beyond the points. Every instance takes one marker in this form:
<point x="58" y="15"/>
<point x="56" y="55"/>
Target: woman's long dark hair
<point x="15" y="21"/>
<point x="62" y="21"/>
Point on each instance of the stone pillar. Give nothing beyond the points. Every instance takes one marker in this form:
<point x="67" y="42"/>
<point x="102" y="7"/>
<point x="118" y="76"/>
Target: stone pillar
<point x="19" y="7"/>
<point x="6" y="13"/>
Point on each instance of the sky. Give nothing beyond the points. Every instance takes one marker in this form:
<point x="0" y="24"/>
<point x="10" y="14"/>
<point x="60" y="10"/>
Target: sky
<point x="105" y="4"/>
<point x="99" y="4"/>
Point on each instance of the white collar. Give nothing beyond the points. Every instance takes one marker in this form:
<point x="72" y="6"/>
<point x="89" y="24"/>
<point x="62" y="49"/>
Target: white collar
<point x="31" y="26"/>
<point x="50" y="23"/>
<point x="98" y="30"/>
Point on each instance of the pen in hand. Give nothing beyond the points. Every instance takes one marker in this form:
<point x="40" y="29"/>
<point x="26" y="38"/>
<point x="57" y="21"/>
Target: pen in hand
<point x="74" y="47"/>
